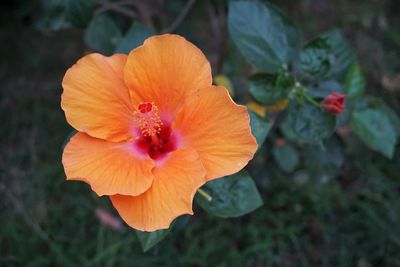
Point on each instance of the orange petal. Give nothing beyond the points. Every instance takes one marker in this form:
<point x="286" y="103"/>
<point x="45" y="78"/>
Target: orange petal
<point x="165" y="70"/>
<point x="218" y="130"/>
<point x="109" y="168"/>
<point x="95" y="98"/>
<point x="176" y="181"/>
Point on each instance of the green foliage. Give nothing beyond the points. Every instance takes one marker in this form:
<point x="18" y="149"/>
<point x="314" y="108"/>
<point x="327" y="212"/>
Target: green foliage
<point x="263" y="36"/>
<point x="54" y="17"/>
<point x="324" y="88"/>
<point x="259" y="127"/>
<point x="232" y="196"/>
<point x="314" y="58"/>
<point x="354" y="83"/>
<point x="290" y="30"/>
<point x="71" y="134"/>
<point x="268" y="40"/>
<point x="150" y="239"/>
<point x="269" y="89"/>
<point x="286" y="156"/>
<point x="341" y="54"/>
<point x="135" y="37"/>
<point x="103" y="34"/>
<point x="79" y="12"/>
<point x="375" y="130"/>
<point x="309" y="123"/>
<point x="369" y="102"/>
<point x="392" y="116"/>
<point x="327" y="56"/>
<point x="324" y="161"/>
<point x="59" y="14"/>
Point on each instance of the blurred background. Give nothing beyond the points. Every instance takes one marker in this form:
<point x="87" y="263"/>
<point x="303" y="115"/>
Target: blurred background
<point x="348" y="215"/>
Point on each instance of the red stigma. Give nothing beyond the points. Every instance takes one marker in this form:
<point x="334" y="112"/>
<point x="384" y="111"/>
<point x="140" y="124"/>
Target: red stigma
<point x="145" y="107"/>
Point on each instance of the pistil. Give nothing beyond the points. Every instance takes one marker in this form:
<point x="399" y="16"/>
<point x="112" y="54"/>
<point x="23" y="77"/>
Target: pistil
<point x="148" y="121"/>
<point x="155" y="140"/>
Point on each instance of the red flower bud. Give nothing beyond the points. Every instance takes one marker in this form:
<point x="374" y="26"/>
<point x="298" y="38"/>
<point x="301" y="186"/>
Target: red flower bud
<point x="334" y="103"/>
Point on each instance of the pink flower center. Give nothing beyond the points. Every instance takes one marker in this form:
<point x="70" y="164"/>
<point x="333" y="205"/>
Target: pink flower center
<point x="156" y="139"/>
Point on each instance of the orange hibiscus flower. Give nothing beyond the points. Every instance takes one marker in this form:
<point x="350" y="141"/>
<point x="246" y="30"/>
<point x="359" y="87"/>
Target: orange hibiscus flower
<point x="152" y="129"/>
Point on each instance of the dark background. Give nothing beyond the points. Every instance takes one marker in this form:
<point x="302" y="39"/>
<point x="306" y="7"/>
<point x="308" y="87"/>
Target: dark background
<point x="350" y="220"/>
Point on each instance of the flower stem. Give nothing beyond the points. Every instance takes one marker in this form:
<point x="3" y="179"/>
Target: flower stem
<point x="204" y="194"/>
<point x="312" y="101"/>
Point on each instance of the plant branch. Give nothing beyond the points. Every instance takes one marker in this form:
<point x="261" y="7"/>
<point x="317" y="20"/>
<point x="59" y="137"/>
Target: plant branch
<point x="180" y="18"/>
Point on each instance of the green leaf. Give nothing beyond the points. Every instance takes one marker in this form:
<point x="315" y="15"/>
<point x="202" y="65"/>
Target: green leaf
<point x="324" y="88"/>
<point x="79" y="12"/>
<point x="70" y="135"/>
<point x="392" y="115"/>
<point x="366" y="102"/>
<point x="135" y="37"/>
<point x="263" y="35"/>
<point x="378" y="104"/>
<point x="374" y="128"/>
<point x="54" y="16"/>
<point x="292" y="32"/>
<point x="309" y="123"/>
<point x="232" y="196"/>
<point x="102" y="34"/>
<point x="287" y="131"/>
<point x="269" y="89"/>
<point x="150" y="239"/>
<point x="286" y="156"/>
<point x="324" y="161"/>
<point x="259" y="127"/>
<point x="315" y="59"/>
<point x="354" y="83"/>
<point x="342" y="56"/>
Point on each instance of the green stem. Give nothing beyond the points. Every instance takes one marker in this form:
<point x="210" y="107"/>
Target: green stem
<point x="312" y="101"/>
<point x="204" y="194"/>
